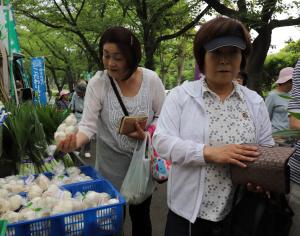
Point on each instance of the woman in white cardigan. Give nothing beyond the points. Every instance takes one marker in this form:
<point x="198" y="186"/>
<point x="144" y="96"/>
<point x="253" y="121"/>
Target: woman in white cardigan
<point x="202" y="126"/>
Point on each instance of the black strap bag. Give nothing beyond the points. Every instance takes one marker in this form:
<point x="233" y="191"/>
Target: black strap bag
<point x="256" y="214"/>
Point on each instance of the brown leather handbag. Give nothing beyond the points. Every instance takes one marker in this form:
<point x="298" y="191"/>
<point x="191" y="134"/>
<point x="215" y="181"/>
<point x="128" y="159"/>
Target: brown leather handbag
<point x="269" y="171"/>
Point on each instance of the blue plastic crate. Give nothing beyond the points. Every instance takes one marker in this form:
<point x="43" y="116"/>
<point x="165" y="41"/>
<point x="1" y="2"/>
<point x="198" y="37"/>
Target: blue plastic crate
<point x="101" y="221"/>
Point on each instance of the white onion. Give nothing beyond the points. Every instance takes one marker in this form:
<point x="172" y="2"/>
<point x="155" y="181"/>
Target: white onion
<point x="34" y="191"/>
<point x="42" y="181"/>
<point x="11" y="216"/>
<point x="91" y="199"/>
<point x="77" y="205"/>
<point x="15" y="202"/>
<point x="4" y="205"/>
<point x="104" y="198"/>
<point x="71" y="129"/>
<point x="52" y="191"/>
<point x="62" y="207"/>
<point x="17" y="188"/>
<point x="3" y="193"/>
<point x="113" y="201"/>
<point x="61" y="127"/>
<point x="71" y="120"/>
<point x="49" y="202"/>
<point x="59" y="136"/>
<point x="73" y="171"/>
<point x="66" y="195"/>
<point x="27" y="214"/>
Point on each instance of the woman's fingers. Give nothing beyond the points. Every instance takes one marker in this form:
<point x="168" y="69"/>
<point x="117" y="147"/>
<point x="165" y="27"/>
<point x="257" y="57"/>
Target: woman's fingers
<point x="138" y="134"/>
<point x="68" y="144"/>
<point x="242" y="153"/>
<point x="247" y="150"/>
<point x="235" y="154"/>
<point x="247" y="147"/>
<point x="243" y="158"/>
<point x="255" y="188"/>
<point x="247" y="153"/>
<point x="237" y="162"/>
<point x="140" y="131"/>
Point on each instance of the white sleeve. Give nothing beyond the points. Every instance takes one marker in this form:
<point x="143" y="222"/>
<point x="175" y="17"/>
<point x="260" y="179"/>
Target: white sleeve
<point x="265" y="128"/>
<point x="167" y="140"/>
<point x="92" y="105"/>
<point x="270" y="104"/>
<point x="157" y="91"/>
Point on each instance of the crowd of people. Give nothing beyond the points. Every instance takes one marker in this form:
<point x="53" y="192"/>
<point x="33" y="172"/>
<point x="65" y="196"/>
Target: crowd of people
<point x="201" y="125"/>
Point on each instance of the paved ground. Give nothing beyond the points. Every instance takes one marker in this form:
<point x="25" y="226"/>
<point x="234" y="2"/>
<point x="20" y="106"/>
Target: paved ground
<point x="159" y="207"/>
<point x="158" y="212"/>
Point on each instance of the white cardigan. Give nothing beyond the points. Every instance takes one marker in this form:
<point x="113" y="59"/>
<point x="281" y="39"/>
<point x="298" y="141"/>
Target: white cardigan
<point x="182" y="132"/>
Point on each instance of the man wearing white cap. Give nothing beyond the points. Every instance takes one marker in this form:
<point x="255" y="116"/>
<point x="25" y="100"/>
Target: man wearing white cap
<point x="276" y="104"/>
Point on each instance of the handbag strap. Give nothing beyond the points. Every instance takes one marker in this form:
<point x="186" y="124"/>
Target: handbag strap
<point x="118" y="95"/>
<point x="259" y="211"/>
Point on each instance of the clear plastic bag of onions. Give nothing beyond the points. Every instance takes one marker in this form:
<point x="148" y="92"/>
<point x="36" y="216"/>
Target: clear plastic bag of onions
<point x="67" y="127"/>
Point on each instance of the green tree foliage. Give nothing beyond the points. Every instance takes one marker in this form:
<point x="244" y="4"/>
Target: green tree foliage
<point x="66" y="33"/>
<point x="157" y="21"/>
<point x="262" y="17"/>
<point x="286" y="57"/>
<point x="175" y="61"/>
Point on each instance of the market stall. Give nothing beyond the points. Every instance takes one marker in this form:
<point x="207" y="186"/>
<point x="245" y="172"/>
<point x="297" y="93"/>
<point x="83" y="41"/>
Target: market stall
<point x="45" y="191"/>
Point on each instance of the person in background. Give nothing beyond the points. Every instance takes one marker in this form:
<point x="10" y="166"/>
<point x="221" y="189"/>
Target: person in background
<point x="19" y="87"/>
<point x="76" y="106"/>
<point x="63" y="100"/>
<point x="294" y="161"/>
<point x="142" y="93"/>
<point x="201" y="128"/>
<point x="242" y="78"/>
<point x="277" y="105"/>
<point x="77" y="101"/>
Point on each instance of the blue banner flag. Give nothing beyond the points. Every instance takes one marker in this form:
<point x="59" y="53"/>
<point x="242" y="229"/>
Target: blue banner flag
<point x="38" y="80"/>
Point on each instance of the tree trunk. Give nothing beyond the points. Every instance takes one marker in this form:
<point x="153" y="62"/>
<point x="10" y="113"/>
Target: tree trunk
<point x="48" y="88"/>
<point x="70" y="79"/>
<point x="53" y="72"/>
<point x="257" y="57"/>
<point x="149" y="54"/>
<point x="162" y="67"/>
<point x="180" y="63"/>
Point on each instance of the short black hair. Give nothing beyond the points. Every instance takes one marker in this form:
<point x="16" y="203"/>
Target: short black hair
<point x="127" y="43"/>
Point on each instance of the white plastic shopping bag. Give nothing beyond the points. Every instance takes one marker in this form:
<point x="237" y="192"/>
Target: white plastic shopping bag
<point x="138" y="184"/>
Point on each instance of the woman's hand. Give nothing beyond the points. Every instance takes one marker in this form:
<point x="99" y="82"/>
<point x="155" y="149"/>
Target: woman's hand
<point x="258" y="189"/>
<point x="255" y="188"/>
<point x="231" y="154"/>
<point x="69" y="144"/>
<point x="138" y="134"/>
